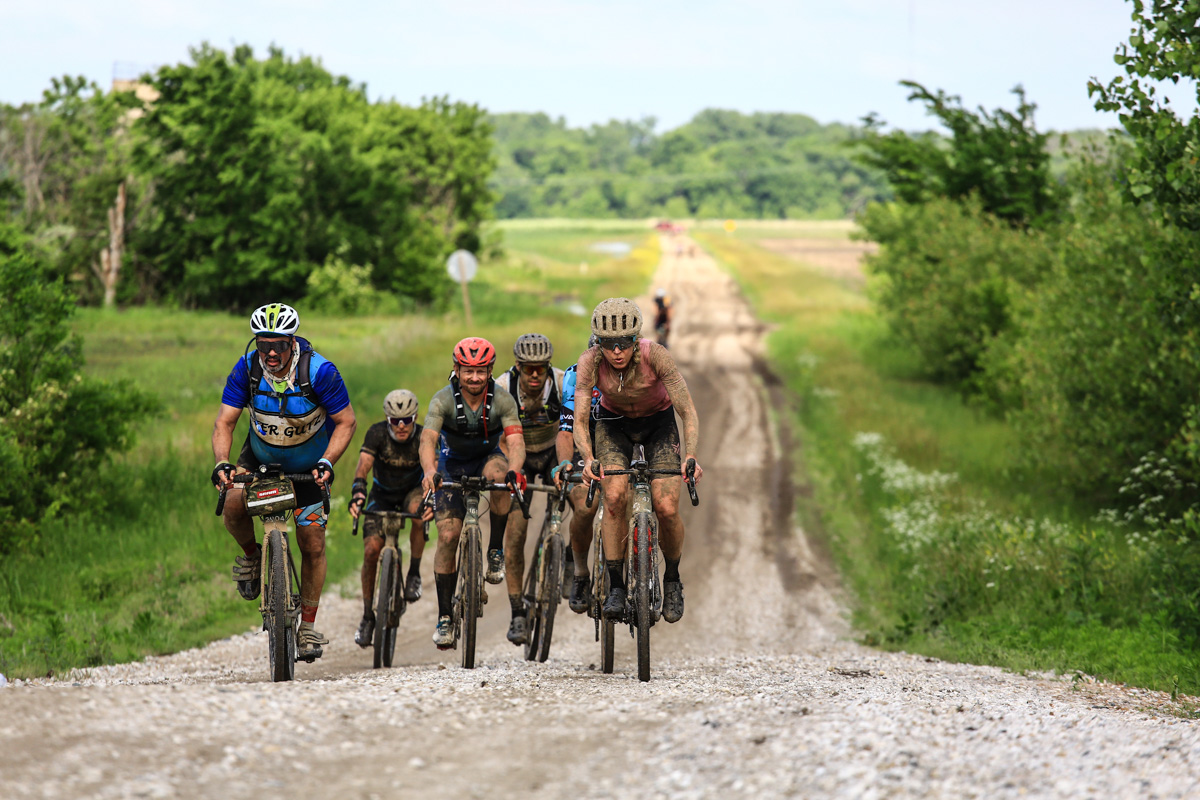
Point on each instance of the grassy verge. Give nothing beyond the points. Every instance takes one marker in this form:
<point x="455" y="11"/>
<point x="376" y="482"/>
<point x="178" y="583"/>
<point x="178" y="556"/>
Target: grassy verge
<point x="150" y="575"/>
<point x="947" y="550"/>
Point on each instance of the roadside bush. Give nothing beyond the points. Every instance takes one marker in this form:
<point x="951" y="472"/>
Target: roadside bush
<point x="945" y="278"/>
<point x="57" y="428"/>
<point x="340" y="288"/>
<point x="1108" y="360"/>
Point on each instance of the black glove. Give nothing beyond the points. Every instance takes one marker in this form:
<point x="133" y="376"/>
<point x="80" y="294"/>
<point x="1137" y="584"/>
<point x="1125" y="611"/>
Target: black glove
<point x="223" y="466"/>
<point x="323" y="465"/>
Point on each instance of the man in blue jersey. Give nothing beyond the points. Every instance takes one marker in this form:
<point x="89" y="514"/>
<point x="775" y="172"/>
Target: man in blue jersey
<point x="300" y="418"/>
<point x="569" y="458"/>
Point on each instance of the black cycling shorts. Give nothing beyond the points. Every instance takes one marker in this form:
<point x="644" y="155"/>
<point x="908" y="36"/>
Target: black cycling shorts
<point x="657" y="433"/>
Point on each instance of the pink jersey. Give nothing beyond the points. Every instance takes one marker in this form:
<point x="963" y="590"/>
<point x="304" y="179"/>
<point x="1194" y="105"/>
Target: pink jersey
<point x="633" y="395"/>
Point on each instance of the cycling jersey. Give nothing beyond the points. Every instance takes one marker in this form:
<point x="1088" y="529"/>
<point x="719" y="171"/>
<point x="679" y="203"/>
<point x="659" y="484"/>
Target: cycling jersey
<point x="640" y="389"/>
<point x="541" y="416"/>
<point x="286" y="426"/>
<point x="468" y="433"/>
<point x="567" y="416"/>
<point x="397" y="466"/>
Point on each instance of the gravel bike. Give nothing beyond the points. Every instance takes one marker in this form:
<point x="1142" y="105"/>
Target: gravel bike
<point x="642" y="560"/>
<point x="469" y="594"/>
<point x="271" y="494"/>
<point x="544" y="578"/>
<point x="390" y="604"/>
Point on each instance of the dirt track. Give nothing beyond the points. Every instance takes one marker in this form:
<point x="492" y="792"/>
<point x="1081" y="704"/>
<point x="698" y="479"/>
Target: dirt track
<point x="756" y="692"/>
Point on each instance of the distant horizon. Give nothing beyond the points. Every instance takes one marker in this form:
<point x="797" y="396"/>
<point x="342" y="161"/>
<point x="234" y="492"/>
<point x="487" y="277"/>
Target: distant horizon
<point x="589" y="62"/>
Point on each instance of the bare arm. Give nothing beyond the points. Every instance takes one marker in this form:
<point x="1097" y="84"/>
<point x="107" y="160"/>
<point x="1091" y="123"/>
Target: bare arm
<point x="585" y="381"/>
<point x="428" y="451"/>
<point x="222" y="436"/>
<point x="366" y="462"/>
<point x="664" y="366"/>
<point x="516" y="451"/>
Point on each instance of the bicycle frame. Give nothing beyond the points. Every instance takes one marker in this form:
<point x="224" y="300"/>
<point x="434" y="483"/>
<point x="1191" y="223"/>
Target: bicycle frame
<point x="542" y="592"/>
<point x="390" y="608"/>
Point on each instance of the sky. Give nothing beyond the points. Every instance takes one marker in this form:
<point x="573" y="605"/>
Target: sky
<point x="614" y="59"/>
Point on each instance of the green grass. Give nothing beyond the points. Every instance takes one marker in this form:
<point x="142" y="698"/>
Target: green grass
<point x="150" y="575"/>
<point x="992" y="566"/>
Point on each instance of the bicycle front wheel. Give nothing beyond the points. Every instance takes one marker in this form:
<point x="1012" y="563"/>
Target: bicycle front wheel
<point x="281" y="635"/>
<point x="551" y="595"/>
<point x="641" y="593"/>
<point x="384" y="587"/>
<point x="471" y="584"/>
<point x="532" y="597"/>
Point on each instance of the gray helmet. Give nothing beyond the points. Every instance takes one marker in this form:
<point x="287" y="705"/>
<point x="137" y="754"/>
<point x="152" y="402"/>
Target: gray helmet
<point x="533" y="348"/>
<point x="617" y="316"/>
<point x="400" y="403"/>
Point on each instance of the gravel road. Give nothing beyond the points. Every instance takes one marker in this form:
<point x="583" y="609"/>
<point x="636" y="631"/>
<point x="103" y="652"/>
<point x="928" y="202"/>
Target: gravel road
<point x="757" y="692"/>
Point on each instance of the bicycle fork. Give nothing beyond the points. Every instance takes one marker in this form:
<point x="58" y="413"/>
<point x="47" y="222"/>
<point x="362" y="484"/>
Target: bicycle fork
<point x="273" y="524"/>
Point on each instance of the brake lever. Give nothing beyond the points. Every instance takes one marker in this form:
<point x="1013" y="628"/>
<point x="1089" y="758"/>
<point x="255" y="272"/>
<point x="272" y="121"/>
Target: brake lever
<point x="691" y="481"/>
<point x="221" y="502"/>
<point x="591" y="497"/>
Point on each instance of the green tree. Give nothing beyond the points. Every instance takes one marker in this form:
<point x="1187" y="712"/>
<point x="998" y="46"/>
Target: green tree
<point x="1165" y="167"/>
<point x="57" y="427"/>
<point x="998" y="155"/>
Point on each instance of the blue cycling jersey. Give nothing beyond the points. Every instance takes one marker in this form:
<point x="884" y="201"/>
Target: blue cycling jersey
<point x="567" y="419"/>
<point x="287" y="427"/>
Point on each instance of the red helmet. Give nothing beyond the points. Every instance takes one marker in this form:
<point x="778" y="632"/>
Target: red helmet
<point x="474" y="352"/>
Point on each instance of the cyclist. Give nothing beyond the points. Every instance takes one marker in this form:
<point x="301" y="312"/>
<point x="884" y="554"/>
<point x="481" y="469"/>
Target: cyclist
<point x="537" y="389"/>
<point x="581" y="521"/>
<point x="464" y="426"/>
<point x="662" y="315"/>
<point x="390" y="451"/>
<point x="641" y="392"/>
<point x="300" y="418"/>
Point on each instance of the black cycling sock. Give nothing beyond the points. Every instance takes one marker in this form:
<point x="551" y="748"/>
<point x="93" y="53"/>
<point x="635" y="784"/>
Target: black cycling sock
<point x="414" y="566"/>
<point x="616" y="573"/>
<point x="518" y="605"/>
<point x="496" y="539"/>
<point x="672" y="572"/>
<point x="445" y="592"/>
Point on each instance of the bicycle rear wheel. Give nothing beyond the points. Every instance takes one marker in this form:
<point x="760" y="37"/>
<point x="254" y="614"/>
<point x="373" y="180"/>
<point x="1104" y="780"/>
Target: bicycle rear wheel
<point x="641" y="593"/>
<point x="551" y="594"/>
<point x="385" y="585"/>
<point x="470" y="583"/>
<point x="281" y="635"/>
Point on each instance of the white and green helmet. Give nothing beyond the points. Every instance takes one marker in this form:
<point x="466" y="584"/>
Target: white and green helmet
<point x="275" y="318"/>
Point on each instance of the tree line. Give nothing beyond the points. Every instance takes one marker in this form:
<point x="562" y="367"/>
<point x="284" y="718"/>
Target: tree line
<point x="1071" y="307"/>
<point x="720" y="164"/>
<point x="238" y="179"/>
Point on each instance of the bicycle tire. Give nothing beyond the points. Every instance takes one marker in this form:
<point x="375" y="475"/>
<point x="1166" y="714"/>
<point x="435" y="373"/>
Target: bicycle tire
<point x="383" y="604"/>
<point x="607" y="630"/>
<point x="532" y="607"/>
<point x="553" y="595"/>
<point x="281" y="636"/>
<point x="641" y="593"/>
<point x="472" y="585"/>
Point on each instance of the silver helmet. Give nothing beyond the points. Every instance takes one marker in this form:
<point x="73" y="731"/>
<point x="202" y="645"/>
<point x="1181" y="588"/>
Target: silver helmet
<point x="400" y="403"/>
<point x="617" y="316"/>
<point x="533" y="348"/>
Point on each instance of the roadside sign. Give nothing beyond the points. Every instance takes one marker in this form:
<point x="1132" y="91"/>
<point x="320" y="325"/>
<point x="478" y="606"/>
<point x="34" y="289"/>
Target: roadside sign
<point x="730" y="226"/>
<point x="462" y="266"/>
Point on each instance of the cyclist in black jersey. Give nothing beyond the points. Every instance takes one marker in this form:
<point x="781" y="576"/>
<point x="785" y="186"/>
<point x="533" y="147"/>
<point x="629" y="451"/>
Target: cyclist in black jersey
<point x="391" y="452"/>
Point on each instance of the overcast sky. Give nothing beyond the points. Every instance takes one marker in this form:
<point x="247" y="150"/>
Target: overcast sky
<point x="596" y="60"/>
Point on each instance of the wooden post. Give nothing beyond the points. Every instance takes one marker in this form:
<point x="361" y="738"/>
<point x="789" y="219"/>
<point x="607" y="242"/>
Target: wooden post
<point x="462" y="279"/>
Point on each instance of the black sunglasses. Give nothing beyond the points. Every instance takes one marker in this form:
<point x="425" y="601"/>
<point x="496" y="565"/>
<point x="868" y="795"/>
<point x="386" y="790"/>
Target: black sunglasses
<point x="277" y="345"/>
<point x="398" y="421"/>
<point x="618" y="342"/>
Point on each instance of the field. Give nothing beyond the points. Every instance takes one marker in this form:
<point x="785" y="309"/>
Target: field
<point x="948" y="549"/>
<point x="151" y="575"/>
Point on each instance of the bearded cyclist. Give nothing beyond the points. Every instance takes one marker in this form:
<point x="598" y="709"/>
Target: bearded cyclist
<point x="568" y="457"/>
<point x="537" y="388"/>
<point x="390" y="451"/>
<point x="301" y="419"/>
<point x="463" y="430"/>
<point x="641" y="391"/>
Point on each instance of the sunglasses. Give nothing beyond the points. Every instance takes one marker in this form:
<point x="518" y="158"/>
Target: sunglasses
<point x="273" y="345"/>
<point x="396" y="422"/>
<point x="618" y="343"/>
<point x="533" y="372"/>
